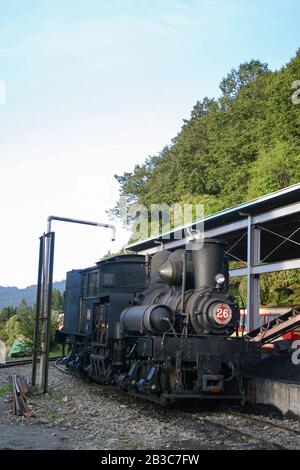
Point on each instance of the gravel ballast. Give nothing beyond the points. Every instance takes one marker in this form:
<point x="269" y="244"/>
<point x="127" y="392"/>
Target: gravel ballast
<point x="79" y="415"/>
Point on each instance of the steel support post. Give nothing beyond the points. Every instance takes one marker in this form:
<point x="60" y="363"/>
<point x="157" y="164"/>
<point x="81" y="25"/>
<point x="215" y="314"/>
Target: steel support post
<point x="253" y="287"/>
<point x="46" y="312"/>
<point x="38" y="311"/>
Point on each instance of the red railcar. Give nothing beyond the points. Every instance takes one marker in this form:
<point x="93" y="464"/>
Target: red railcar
<point x="268" y="313"/>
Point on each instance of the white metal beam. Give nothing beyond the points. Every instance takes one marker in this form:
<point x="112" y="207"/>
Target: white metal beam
<point x="268" y="268"/>
<point x="232" y="227"/>
<point x="217" y="232"/>
<point x="277" y="213"/>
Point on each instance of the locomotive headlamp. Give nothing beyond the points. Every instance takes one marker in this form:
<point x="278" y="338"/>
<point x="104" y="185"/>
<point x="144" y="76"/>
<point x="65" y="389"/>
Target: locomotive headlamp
<point x="220" y="279"/>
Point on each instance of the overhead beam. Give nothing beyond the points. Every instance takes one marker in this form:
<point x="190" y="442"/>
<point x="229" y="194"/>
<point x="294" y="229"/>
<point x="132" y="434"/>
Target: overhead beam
<point x="268" y="268"/>
<point x="290" y="209"/>
<point x="277" y="213"/>
<point x="217" y="232"/>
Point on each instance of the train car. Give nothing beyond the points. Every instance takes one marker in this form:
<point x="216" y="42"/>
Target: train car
<point x="164" y="335"/>
<point x="94" y="295"/>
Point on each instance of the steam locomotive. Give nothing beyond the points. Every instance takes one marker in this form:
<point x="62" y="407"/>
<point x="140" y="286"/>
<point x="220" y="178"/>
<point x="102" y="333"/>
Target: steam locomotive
<point x="163" y="328"/>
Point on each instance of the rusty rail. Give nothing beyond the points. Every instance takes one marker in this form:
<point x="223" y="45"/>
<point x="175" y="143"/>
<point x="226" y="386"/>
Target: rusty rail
<point x="19" y="396"/>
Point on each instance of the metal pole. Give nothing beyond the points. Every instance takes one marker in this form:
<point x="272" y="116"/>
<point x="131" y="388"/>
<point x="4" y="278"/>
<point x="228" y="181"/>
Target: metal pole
<point x="49" y="306"/>
<point x="38" y="312"/>
<point x="255" y="277"/>
<point x="46" y="311"/>
<point x="253" y="258"/>
<point x="46" y="291"/>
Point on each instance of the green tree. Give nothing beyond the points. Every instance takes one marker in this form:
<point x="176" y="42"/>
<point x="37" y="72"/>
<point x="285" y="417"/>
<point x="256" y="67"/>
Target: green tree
<point x="22" y="324"/>
<point x="26" y="318"/>
<point x="220" y="153"/>
<point x="13" y="330"/>
<point x="7" y="313"/>
<point x="109" y="254"/>
<point x="57" y="301"/>
<point x="274" y="169"/>
<point x="240" y="78"/>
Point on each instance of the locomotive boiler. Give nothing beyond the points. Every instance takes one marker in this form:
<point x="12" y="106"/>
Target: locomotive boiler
<point x="165" y="329"/>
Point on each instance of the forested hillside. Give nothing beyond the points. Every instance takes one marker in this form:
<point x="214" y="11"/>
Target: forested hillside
<point x="235" y="148"/>
<point x="242" y="145"/>
<point x="12" y="296"/>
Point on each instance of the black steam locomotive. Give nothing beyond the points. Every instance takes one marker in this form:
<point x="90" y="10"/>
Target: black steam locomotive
<point x="164" y="328"/>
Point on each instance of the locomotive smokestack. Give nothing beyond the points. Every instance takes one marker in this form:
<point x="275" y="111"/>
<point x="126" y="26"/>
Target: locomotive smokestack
<point x="208" y="261"/>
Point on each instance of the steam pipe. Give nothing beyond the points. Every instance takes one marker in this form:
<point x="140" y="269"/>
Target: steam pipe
<point x="82" y="222"/>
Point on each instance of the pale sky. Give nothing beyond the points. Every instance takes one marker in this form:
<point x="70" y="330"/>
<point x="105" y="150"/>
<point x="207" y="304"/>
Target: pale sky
<point x="94" y="87"/>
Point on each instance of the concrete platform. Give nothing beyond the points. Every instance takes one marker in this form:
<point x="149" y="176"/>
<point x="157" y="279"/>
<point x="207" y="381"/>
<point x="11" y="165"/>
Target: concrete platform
<point x="285" y="396"/>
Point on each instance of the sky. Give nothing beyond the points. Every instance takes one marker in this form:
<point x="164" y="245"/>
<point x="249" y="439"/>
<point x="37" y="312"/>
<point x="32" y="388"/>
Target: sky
<point x="88" y="89"/>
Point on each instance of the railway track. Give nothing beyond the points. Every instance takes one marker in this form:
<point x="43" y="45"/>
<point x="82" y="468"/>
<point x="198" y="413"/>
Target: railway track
<point x="261" y="432"/>
<point x="23" y="362"/>
<point x="267" y="422"/>
<point x="266" y="433"/>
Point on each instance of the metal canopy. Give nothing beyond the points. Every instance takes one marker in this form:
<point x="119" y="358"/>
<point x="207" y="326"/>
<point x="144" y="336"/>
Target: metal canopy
<point x="269" y="207"/>
<point x="262" y="235"/>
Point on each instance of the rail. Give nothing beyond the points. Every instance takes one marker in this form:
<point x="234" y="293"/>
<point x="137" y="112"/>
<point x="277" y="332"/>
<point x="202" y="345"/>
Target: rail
<point x="24" y="362"/>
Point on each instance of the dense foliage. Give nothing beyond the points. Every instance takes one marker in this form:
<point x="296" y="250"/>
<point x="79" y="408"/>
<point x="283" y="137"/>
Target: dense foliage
<point x="19" y="322"/>
<point x="238" y="147"/>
